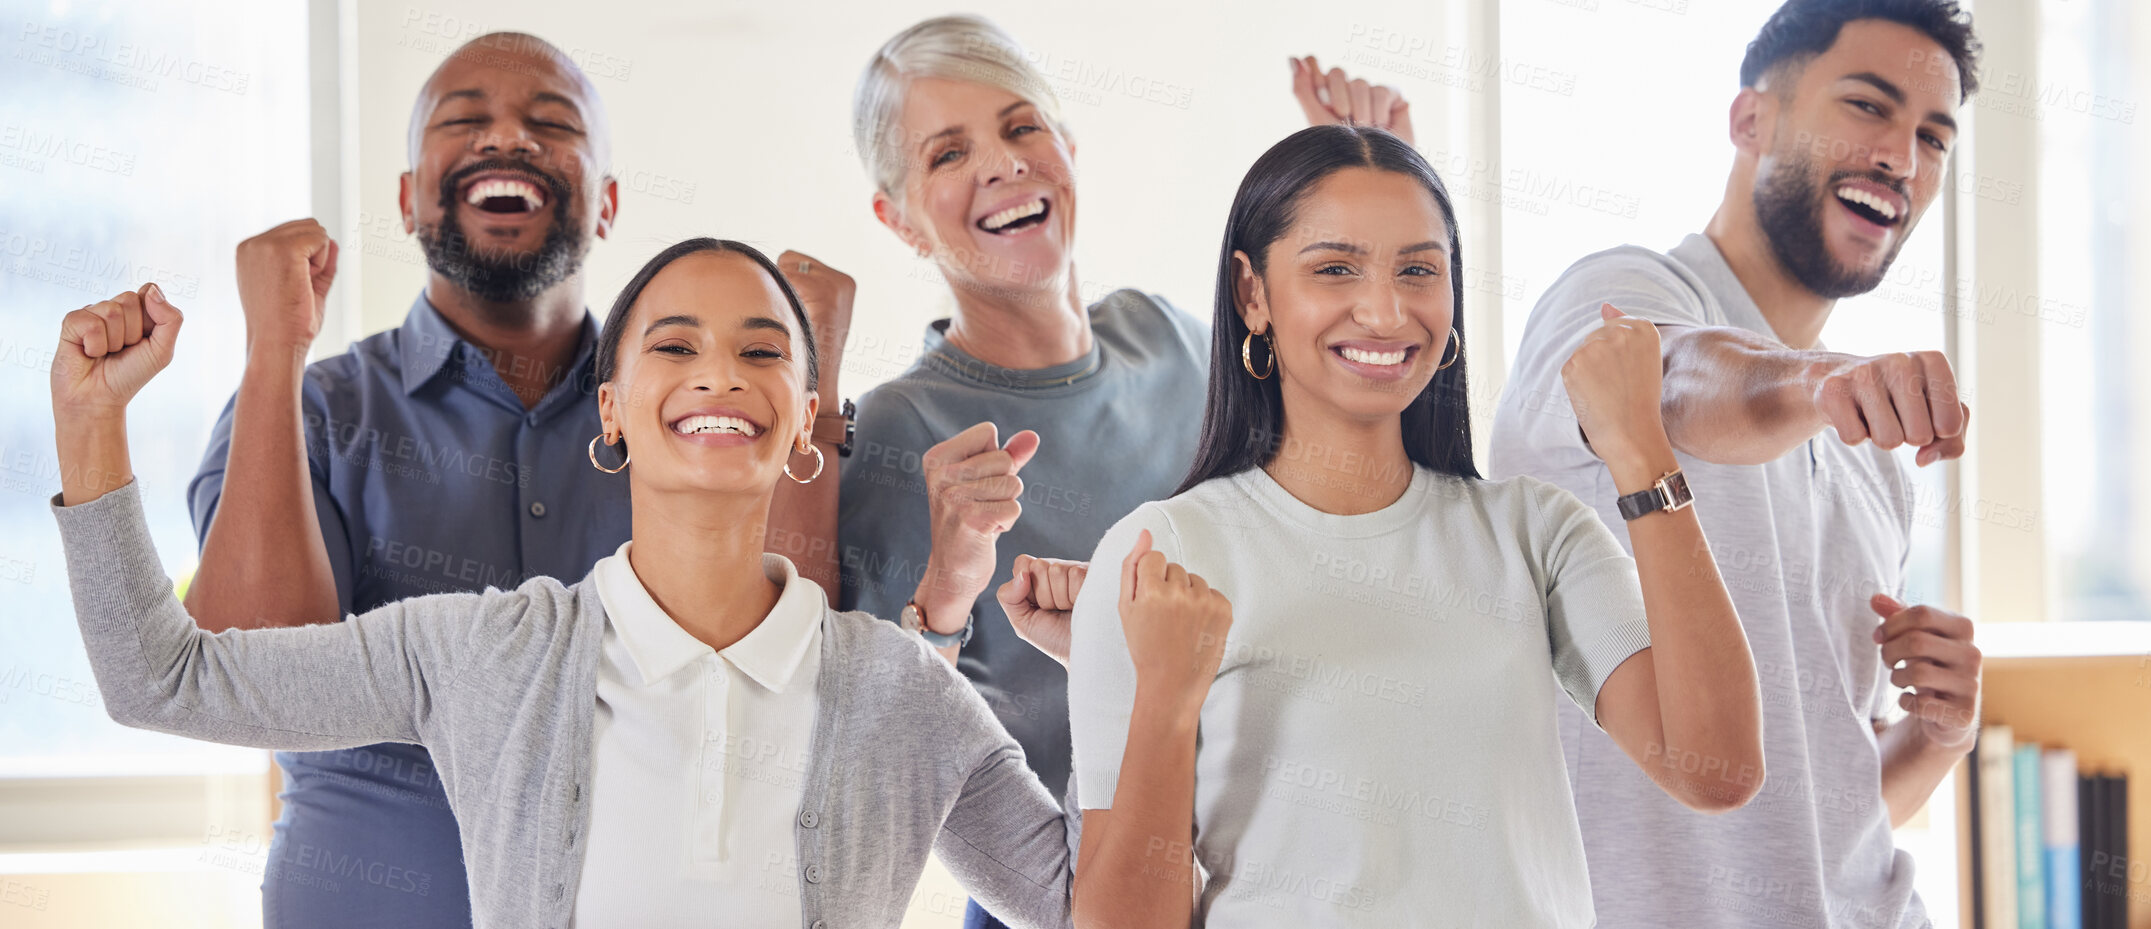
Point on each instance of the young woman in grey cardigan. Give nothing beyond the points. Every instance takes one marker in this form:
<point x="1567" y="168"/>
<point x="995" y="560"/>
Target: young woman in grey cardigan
<point x="503" y="686"/>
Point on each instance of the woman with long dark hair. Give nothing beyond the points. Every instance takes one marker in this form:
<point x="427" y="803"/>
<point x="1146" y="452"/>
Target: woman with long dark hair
<point x="687" y="734"/>
<point x="1379" y="747"/>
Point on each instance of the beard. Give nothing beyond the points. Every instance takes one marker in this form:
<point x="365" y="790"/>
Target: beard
<point x="1789" y="207"/>
<point x="498" y="275"/>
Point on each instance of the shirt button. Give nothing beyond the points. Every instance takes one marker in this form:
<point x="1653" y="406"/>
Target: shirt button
<point x="814" y="874"/>
<point x="537" y="509"/>
<point x="712" y="796"/>
<point x="810" y="819"/>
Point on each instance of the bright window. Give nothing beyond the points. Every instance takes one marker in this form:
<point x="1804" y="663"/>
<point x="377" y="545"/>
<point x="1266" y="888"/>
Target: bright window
<point x="2093" y="340"/>
<point x="114" y="172"/>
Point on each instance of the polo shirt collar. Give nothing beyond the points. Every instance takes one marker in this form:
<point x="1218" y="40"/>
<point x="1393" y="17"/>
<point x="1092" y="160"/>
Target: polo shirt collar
<point x="771" y="654"/>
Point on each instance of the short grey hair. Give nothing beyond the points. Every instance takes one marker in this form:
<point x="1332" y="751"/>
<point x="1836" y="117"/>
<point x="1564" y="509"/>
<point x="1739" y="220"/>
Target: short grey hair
<point x="960" y="47"/>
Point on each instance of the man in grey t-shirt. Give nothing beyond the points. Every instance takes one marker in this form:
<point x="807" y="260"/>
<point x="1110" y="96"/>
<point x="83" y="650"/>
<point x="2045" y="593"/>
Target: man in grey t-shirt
<point x="1842" y="128"/>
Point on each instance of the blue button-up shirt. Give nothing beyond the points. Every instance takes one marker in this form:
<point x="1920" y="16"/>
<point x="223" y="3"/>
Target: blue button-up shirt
<point x="429" y="476"/>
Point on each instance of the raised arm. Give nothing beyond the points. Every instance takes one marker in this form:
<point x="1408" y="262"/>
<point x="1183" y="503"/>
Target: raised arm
<point x="1687" y="710"/>
<point x="803" y="517"/>
<point x="330" y="686"/>
<point x="1735" y="397"/>
<point x="1136" y="864"/>
<point x="263" y="562"/>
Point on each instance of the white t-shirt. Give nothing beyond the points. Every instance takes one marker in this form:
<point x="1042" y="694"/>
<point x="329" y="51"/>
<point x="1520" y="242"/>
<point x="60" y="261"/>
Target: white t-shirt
<point x="699" y="760"/>
<point x="1379" y="747"/>
<point x="1802" y="542"/>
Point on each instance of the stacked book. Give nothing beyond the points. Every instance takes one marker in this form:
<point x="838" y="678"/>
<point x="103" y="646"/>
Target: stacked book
<point x="2049" y="840"/>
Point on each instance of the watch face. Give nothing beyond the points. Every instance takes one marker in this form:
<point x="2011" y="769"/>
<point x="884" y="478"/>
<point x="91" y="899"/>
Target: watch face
<point x="1676" y="491"/>
<point x="910" y="618"/>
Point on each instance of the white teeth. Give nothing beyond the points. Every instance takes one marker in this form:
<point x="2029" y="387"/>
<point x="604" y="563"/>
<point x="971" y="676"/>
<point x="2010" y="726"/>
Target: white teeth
<point x="1373" y="358"/>
<point x="696" y="425"/>
<point x="1012" y="214"/>
<point x="501" y="187"/>
<point x="1868" y="200"/>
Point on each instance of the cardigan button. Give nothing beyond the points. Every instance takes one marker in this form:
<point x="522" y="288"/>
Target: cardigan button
<point x="810" y="819"/>
<point x="814" y="874"/>
<point x="818" y="924"/>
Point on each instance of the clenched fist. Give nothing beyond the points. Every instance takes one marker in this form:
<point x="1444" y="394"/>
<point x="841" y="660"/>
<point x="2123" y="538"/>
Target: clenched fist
<point x="1039" y="599"/>
<point x="1941" y="667"/>
<point x="973" y="495"/>
<point x="108" y="350"/>
<point x="1175" y="625"/>
<point x="826" y="293"/>
<point x="1333" y="96"/>
<point x="1906" y="398"/>
<point x="1614" y="383"/>
<point x="284" y="277"/>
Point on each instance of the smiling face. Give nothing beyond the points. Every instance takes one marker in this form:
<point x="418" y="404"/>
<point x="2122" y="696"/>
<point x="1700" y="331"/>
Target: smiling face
<point x="1853" y="152"/>
<point x="711" y="389"/>
<point x="1356" y="295"/>
<point x="987" y="186"/>
<point x="507" y="186"/>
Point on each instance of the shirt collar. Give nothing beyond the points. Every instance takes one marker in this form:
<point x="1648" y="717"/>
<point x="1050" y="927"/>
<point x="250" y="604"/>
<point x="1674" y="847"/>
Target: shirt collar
<point x="770" y="654"/>
<point x="943" y="355"/>
<point x="427" y="343"/>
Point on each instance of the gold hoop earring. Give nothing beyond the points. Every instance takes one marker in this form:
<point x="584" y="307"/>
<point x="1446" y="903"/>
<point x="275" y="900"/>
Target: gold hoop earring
<point x="1457" y="342"/>
<point x="1247" y="355"/>
<point x="593" y="456"/>
<point x="819" y="461"/>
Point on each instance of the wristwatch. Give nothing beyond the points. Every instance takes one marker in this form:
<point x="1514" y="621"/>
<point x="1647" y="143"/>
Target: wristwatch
<point x="850" y="428"/>
<point x="1667" y="493"/>
<point x="913" y="619"/>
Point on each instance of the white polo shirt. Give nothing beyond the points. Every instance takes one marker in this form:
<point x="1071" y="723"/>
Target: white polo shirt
<point x="699" y="761"/>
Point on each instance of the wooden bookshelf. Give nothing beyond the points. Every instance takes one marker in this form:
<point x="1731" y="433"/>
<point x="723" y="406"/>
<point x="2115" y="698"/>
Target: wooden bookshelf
<point x="2083" y="686"/>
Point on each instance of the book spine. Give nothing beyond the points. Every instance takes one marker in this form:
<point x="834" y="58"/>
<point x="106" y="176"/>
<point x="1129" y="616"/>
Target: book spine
<point x="2057" y="778"/>
<point x="2031" y="839"/>
<point x="1997" y="822"/>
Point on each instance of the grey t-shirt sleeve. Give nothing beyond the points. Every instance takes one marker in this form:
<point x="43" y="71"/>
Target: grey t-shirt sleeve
<point x="379" y="677"/>
<point x="884" y="527"/>
<point x="1101" y="673"/>
<point x="206" y="491"/>
<point x="1594" y="603"/>
<point x="1638" y="283"/>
